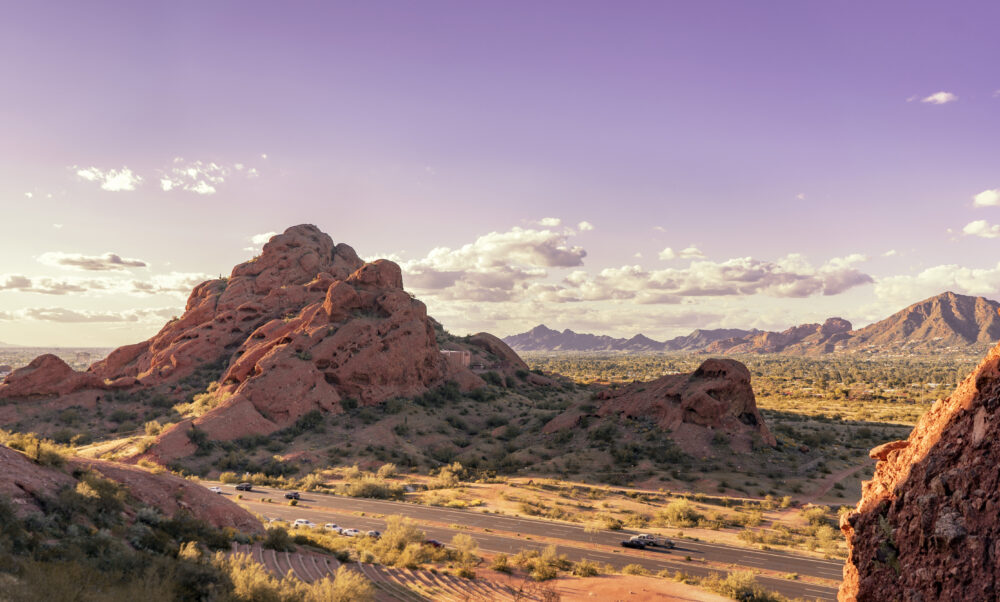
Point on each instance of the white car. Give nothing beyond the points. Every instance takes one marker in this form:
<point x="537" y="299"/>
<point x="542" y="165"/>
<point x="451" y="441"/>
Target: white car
<point x="215" y="489"/>
<point x="333" y="527"/>
<point x="350" y="532"/>
<point x="303" y="522"/>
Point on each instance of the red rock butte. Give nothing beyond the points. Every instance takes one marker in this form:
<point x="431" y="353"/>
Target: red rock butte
<point x="302" y="327"/>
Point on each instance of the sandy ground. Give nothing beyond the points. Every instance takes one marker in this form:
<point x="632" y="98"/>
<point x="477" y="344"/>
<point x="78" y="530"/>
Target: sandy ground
<point x="622" y="587"/>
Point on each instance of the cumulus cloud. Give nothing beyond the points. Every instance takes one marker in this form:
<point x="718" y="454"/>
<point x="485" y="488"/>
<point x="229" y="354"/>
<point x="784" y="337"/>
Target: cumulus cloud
<point x="982" y="229"/>
<point x="585" y="226"/>
<point x="987" y="198"/>
<point x="259" y="239"/>
<point x="667" y="254"/>
<point x="550" y="222"/>
<point x="194" y="176"/>
<point x="113" y="180"/>
<point x="939" y="98"/>
<point x="690" y="253"/>
<point x="63" y="315"/>
<point x="496" y="267"/>
<point x="95" y="263"/>
<point x="791" y="276"/>
<point x="890" y="253"/>
<point x="174" y="283"/>
<point x="905" y="289"/>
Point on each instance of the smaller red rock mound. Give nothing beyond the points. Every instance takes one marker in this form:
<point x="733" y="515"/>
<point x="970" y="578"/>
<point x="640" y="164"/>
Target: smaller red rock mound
<point x="25" y="483"/>
<point x="928" y="523"/>
<point x="47" y="375"/>
<point x="716" y="395"/>
<point x="171" y="494"/>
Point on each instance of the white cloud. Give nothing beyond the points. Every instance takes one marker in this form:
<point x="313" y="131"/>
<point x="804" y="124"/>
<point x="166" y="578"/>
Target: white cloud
<point x="659" y="228"/>
<point x="939" y="98"/>
<point x="57" y="226"/>
<point x="890" y="253"/>
<point x="982" y="229"/>
<point x="667" y="254"/>
<point x="585" y="226"/>
<point x="495" y="267"/>
<point x="63" y="315"/>
<point x="791" y="276"/>
<point x="905" y="289"/>
<point x="198" y="177"/>
<point x="801" y="196"/>
<point x="113" y="180"/>
<point x="260" y="239"/>
<point x="174" y="283"/>
<point x="93" y="263"/>
<point x="549" y="222"/>
<point x="987" y="198"/>
<point x="690" y="253"/>
<point x="29" y="194"/>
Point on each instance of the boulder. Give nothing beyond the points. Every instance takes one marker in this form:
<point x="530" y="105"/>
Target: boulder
<point x="47" y="375"/>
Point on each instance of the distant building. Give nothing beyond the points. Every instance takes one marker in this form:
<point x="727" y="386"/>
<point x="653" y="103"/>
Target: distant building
<point x="457" y="359"/>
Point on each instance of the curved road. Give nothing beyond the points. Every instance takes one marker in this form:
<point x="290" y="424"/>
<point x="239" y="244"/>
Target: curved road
<point x="574" y="541"/>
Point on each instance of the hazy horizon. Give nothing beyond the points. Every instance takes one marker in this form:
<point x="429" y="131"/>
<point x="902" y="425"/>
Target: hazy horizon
<point x="605" y="167"/>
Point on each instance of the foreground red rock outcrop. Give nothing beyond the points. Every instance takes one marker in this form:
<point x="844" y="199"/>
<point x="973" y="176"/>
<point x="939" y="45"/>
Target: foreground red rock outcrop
<point x="716" y="396"/>
<point x="928" y="524"/>
<point x="27" y="485"/>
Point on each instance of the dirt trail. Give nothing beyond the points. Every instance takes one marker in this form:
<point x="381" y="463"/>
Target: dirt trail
<point x="827" y="484"/>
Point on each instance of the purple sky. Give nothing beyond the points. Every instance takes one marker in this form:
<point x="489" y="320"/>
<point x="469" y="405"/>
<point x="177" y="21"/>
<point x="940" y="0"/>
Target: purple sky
<point x="750" y="131"/>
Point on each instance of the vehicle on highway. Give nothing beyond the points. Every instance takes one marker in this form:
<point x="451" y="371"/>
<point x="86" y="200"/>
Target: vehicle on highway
<point x="652" y="540"/>
<point x="244" y="487"/>
<point x="373" y="534"/>
<point x="292" y="495"/>
<point x="350" y="532"/>
<point x="333" y="527"/>
<point x="634" y="543"/>
<point x="215" y="489"/>
<point x="434" y="543"/>
<point x="303" y="522"/>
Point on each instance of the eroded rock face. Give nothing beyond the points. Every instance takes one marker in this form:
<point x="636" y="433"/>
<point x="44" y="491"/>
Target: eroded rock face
<point x="928" y="523"/>
<point x="47" y="375"/>
<point x="716" y="395"/>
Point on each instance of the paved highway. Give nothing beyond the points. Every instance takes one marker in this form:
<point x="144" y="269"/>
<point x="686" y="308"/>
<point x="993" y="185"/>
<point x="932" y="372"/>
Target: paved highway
<point x="574" y="541"/>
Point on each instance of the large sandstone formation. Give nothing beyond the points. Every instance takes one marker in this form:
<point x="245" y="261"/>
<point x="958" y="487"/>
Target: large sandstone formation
<point x="715" y="397"/>
<point x="928" y="524"/>
<point x="305" y="326"/>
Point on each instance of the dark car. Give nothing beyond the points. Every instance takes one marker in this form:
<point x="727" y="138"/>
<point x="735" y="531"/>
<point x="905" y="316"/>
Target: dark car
<point x="292" y="495"/>
<point x="244" y="487"/>
<point x="633" y="543"/>
<point x="434" y="543"/>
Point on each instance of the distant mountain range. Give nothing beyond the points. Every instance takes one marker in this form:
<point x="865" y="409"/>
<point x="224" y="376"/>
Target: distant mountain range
<point x="945" y="322"/>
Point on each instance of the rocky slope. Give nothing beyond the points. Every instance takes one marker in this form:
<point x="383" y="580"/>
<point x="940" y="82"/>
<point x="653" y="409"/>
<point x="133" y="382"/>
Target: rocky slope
<point x="927" y="525"/>
<point x="946" y="320"/>
<point x="717" y="397"/>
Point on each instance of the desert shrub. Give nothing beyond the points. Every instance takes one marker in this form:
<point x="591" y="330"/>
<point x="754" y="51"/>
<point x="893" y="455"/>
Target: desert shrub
<point x="277" y="539"/>
<point x="501" y="563"/>
<point x="816" y="515"/>
<point x="387" y="471"/>
<point x="493" y="378"/>
<point x="372" y="487"/>
<point x="586" y="568"/>
<point x="465" y="549"/>
<point x="678" y="513"/>
<point x="229" y="478"/>
<point x="634" y="569"/>
<point x="739" y="585"/>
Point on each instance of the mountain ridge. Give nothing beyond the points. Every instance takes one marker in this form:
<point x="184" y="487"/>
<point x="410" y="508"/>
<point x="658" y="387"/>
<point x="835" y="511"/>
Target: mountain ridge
<point x="942" y="322"/>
